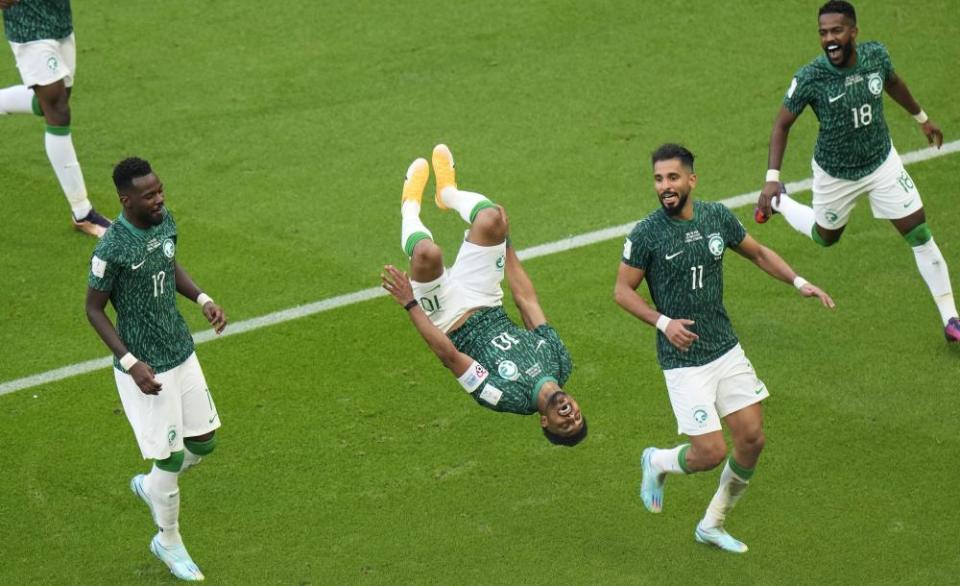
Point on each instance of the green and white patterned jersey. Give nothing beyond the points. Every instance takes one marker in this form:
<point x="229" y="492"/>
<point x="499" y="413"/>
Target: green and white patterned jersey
<point x="853" y="139"/>
<point x="683" y="266"/>
<point x="137" y="268"/>
<point x="519" y="361"/>
<point x="34" y="20"/>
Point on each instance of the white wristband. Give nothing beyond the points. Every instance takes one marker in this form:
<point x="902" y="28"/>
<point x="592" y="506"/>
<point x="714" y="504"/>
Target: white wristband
<point x="799" y="282"/>
<point x="921" y="117"/>
<point x="773" y="175"/>
<point x="473" y="377"/>
<point x="203" y="299"/>
<point x="128" y="360"/>
<point x="662" y="323"/>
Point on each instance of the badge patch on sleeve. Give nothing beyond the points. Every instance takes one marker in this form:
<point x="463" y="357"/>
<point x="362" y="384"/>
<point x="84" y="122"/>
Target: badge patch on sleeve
<point x="473" y="377"/>
<point x="98" y="266"/>
<point x="627" y="248"/>
<point x="491" y="394"/>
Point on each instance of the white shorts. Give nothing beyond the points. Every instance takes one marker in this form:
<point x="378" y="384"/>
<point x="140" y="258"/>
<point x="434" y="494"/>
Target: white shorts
<point x="893" y="195"/>
<point x="473" y="281"/>
<point x="702" y="395"/>
<point x="183" y="408"/>
<point x="46" y="61"/>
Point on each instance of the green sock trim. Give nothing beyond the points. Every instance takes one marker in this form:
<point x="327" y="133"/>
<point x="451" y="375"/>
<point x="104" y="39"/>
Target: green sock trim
<point x="819" y="239"/>
<point x="682" y="458"/>
<point x="739" y="470"/>
<point x="35" y="105"/>
<point x="171" y="464"/>
<point x="919" y="236"/>
<point x="200" y="448"/>
<point x="481" y="206"/>
<point x="58" y="130"/>
<point x="412" y="241"/>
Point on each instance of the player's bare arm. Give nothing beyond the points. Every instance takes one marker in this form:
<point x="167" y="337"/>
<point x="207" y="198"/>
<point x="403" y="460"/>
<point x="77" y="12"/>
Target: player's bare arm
<point x="398" y="285"/>
<point x="778" y="146"/>
<point x="524" y="294"/>
<point x="897" y="89"/>
<point x="776" y="267"/>
<point x="626" y="296"/>
<point x="141" y="372"/>
<point x="186" y="287"/>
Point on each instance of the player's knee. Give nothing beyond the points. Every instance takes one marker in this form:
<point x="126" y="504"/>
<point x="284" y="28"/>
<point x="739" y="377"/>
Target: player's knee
<point x="492" y="222"/>
<point x="752" y="442"/>
<point x="426" y="253"/>
<point x="172" y="463"/>
<point x="201" y="445"/>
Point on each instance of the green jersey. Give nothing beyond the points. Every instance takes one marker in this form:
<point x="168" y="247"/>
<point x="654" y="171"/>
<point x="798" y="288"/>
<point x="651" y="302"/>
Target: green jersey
<point x="137" y="268"/>
<point x="853" y="140"/>
<point x="518" y="361"/>
<point x="34" y="20"/>
<point x="683" y="266"/>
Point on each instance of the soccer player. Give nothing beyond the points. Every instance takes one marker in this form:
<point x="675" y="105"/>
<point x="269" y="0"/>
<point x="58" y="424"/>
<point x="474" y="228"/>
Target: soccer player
<point x="161" y="385"/>
<point x="854" y="153"/>
<point x="459" y="312"/>
<point x="679" y="250"/>
<point x="41" y="36"/>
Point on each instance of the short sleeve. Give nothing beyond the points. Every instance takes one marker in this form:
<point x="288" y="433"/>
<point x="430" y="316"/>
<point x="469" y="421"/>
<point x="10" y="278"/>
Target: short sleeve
<point x="798" y="94"/>
<point x="635" y="252"/>
<point x="733" y="230"/>
<point x="103" y="271"/>
<point x="886" y="64"/>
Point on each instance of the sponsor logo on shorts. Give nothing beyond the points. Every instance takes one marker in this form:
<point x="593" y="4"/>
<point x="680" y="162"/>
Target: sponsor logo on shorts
<point x="508" y="370"/>
<point x="760" y="390"/>
<point x="212" y="418"/>
<point x="700" y="416"/>
<point x="169" y="248"/>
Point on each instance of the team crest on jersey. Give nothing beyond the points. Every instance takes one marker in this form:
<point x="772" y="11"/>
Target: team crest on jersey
<point x="168" y="248"/>
<point x="875" y="84"/>
<point x="508" y="369"/>
<point x="715" y="245"/>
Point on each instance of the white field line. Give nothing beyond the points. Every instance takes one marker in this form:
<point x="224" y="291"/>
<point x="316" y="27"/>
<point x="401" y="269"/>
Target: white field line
<point x="300" y="311"/>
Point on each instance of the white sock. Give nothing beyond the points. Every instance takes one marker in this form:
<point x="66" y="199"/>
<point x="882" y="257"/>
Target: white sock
<point x="462" y="201"/>
<point x="410" y="224"/>
<point x="17" y="99"/>
<point x="668" y="461"/>
<point x="799" y="216"/>
<point x="731" y="489"/>
<point x="189" y="459"/>
<point x="933" y="269"/>
<point x="161" y="487"/>
<point x="64" y="160"/>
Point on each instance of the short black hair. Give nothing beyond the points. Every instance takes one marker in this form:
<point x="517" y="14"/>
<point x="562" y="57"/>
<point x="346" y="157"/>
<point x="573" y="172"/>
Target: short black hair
<point x="839" y="7"/>
<point x="129" y="169"/>
<point x="666" y="152"/>
<point x="567" y="440"/>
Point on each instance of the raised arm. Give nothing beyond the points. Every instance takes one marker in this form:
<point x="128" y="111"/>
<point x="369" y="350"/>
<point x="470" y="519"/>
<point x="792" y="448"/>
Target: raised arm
<point x="778" y="146"/>
<point x="186" y="287"/>
<point x="626" y="296"/>
<point x="398" y="285"/>
<point x="898" y="90"/>
<point x="524" y="295"/>
<point x="141" y="372"/>
<point x="776" y="267"/>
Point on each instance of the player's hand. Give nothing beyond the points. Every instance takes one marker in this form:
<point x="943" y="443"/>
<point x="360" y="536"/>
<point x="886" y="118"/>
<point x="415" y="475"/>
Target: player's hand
<point x="771" y="190"/>
<point x="809" y="290"/>
<point x="397" y="284"/>
<point x="215" y="315"/>
<point x="143" y="375"/>
<point x="678" y="334"/>
<point x="933" y="133"/>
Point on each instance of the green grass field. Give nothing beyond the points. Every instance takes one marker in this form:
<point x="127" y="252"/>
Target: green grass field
<point x="348" y="454"/>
